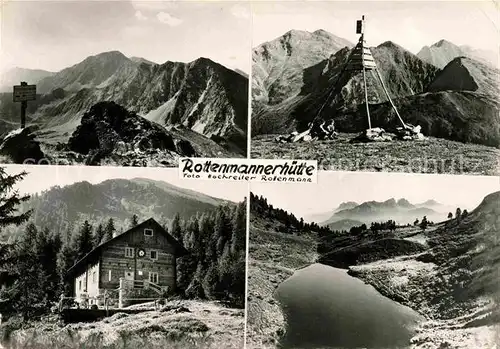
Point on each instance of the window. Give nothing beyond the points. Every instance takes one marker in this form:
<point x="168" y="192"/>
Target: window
<point x="148" y="232"/>
<point x="129" y="252"/>
<point x="139" y="272"/>
<point x="153" y="254"/>
<point x="93" y="277"/>
<point x="109" y="275"/>
<point x="79" y="284"/>
<point x="153" y="277"/>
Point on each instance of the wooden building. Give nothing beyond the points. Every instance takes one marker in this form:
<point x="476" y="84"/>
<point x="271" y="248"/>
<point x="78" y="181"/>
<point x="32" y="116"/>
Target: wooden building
<point x="144" y="256"/>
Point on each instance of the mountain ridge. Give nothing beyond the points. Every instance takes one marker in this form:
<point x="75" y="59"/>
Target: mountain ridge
<point x="401" y="210"/>
<point x="202" y="95"/>
<point x="67" y="206"/>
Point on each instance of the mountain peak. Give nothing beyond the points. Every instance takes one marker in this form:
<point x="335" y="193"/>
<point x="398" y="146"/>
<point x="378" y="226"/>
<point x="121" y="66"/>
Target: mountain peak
<point x="404" y="203"/>
<point x="110" y="54"/>
<point x="392" y="45"/>
<point x="431" y="202"/>
<point x="390" y="202"/>
<point x="322" y="32"/>
<point x="444" y="43"/>
<point x="347" y="205"/>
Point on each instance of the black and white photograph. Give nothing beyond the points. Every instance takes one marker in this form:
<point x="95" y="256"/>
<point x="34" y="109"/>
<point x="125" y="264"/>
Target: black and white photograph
<point x="120" y="258"/>
<point x="131" y="83"/>
<point x="374" y="261"/>
<point x="396" y="86"/>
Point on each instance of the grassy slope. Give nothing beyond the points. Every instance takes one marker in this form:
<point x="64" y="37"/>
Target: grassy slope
<point x="444" y="284"/>
<point x="273" y="257"/>
<point x="430" y="156"/>
<point x="204" y="325"/>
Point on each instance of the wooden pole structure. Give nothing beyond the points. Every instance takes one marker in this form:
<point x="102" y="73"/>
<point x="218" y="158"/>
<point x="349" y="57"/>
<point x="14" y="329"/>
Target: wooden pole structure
<point x="364" y="70"/>
<point x="24" y="105"/>
<point x="120" y="294"/>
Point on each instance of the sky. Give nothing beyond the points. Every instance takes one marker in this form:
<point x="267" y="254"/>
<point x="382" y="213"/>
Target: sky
<point x="53" y="35"/>
<point x="41" y="178"/>
<point x="333" y="188"/>
<point x="411" y="24"/>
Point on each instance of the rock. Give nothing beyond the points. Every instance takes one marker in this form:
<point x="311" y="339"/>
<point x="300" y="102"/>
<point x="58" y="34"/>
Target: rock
<point x="184" y="148"/>
<point x="20" y="145"/>
<point x="109" y="128"/>
<point x="376" y="134"/>
<point x="120" y="148"/>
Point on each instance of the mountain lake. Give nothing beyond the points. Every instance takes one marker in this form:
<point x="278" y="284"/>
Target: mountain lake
<point x="327" y="308"/>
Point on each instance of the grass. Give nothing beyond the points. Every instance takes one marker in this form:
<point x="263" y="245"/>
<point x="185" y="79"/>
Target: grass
<point x="432" y="155"/>
<point x="273" y="257"/>
<point x="199" y="325"/>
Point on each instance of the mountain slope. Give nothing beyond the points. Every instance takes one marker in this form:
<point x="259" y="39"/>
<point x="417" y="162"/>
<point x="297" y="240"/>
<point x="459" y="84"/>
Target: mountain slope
<point x="401" y="211"/>
<point x="459" y="103"/>
<point x="61" y="208"/>
<point x="278" y="64"/>
<point x="201" y="95"/>
<point x="443" y="52"/>
<point x="466" y="74"/>
<point x="15" y="75"/>
<point x="456" y="278"/>
<point x="344" y="225"/>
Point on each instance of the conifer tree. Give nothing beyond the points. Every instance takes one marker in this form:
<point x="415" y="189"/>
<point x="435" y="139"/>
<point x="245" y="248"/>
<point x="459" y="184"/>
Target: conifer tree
<point x="176" y="229"/>
<point x="109" y="230"/>
<point x="84" y="240"/>
<point x="65" y="260"/>
<point x="10" y="200"/>
<point x="99" y="235"/>
<point x="238" y="239"/>
<point x="134" y="221"/>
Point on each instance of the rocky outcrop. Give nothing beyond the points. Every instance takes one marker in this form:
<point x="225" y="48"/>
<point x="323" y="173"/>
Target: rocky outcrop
<point x="21" y="147"/>
<point x="109" y="128"/>
<point x="184" y="148"/>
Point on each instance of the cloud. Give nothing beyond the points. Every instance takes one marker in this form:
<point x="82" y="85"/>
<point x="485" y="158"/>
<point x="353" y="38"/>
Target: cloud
<point x="153" y="5"/>
<point x="140" y="16"/>
<point x="240" y="11"/>
<point x="168" y="19"/>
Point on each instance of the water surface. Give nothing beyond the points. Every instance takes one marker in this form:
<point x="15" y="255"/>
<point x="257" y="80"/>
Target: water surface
<point x="327" y="308"/>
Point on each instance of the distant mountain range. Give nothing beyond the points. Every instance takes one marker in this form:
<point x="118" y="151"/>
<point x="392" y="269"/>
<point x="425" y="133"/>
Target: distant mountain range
<point x="14" y="76"/>
<point x="61" y="208"/>
<point x="402" y="211"/>
<point x="443" y="52"/>
<point x="463" y="110"/>
<point x="202" y="96"/>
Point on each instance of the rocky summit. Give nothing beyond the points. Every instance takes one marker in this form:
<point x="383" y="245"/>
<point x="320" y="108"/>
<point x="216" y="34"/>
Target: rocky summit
<point x="108" y="128"/>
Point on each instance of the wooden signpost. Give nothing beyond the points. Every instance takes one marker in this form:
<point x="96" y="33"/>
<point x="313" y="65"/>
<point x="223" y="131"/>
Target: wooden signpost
<point x="24" y="93"/>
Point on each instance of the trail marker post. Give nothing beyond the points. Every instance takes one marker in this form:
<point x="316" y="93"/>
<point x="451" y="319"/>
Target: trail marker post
<point x="24" y="93"/>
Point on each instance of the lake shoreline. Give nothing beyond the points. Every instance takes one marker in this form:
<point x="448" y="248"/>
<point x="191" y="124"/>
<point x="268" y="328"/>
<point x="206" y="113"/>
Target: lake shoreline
<point x="273" y="258"/>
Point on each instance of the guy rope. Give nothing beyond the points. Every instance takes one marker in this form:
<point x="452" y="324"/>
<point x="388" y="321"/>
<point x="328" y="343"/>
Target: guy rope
<point x="361" y="59"/>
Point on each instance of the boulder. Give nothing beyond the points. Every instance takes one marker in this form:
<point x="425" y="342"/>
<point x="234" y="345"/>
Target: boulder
<point x="21" y="147"/>
<point x="110" y="128"/>
<point x="184" y="148"/>
<point x="376" y="134"/>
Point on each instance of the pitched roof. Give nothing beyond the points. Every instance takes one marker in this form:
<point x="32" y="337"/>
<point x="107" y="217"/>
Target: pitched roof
<point x="179" y="248"/>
